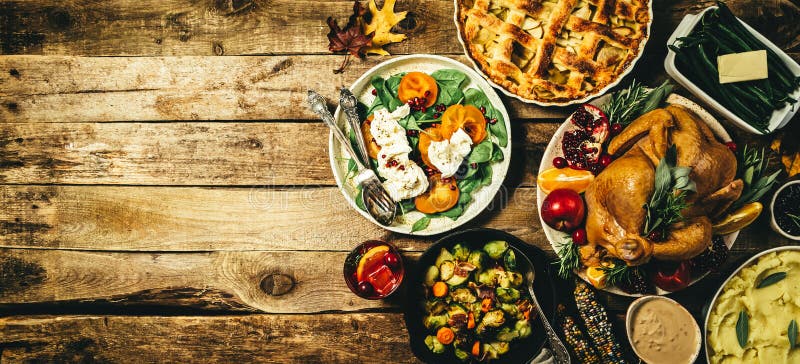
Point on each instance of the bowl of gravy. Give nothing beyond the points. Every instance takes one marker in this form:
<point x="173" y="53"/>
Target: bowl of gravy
<point x="660" y="330"/>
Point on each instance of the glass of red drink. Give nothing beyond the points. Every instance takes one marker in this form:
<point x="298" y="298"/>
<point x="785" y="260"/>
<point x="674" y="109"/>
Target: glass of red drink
<point x="373" y="270"/>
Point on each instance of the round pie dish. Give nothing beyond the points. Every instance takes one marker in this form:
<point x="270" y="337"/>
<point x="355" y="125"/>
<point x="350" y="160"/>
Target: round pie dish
<point x="571" y="69"/>
<point x="522" y="351"/>
<point x="481" y="197"/>
<point x="554" y="149"/>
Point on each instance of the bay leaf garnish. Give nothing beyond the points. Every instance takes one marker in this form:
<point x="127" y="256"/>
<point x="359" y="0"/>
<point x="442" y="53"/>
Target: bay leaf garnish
<point x="771" y="279"/>
<point x="742" y="328"/>
<point x="792" y="333"/>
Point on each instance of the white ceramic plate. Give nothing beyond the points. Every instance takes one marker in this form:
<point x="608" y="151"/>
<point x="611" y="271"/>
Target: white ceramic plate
<point x="554" y="149"/>
<point x="748" y="263"/>
<point x="594" y="94"/>
<point x="362" y="90"/>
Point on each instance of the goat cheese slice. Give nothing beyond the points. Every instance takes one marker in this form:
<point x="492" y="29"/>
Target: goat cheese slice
<point x="403" y="177"/>
<point x="447" y="155"/>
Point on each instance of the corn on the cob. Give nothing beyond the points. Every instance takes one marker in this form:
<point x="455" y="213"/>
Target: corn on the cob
<point x="597" y="324"/>
<point x="576" y="339"/>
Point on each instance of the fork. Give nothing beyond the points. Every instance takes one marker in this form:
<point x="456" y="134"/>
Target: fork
<point x="377" y="201"/>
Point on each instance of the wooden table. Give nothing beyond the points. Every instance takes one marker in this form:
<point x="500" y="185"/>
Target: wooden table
<point x="167" y="196"/>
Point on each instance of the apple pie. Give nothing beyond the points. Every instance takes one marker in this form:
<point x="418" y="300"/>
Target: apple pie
<point x="553" y="52"/>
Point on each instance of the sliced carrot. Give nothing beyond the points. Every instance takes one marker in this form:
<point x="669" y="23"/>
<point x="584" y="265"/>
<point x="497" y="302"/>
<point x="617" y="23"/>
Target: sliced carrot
<point x="470" y="321"/>
<point x="476" y="349"/>
<point x="445" y="335"/>
<point x="439" y="289"/>
<point x="486" y="304"/>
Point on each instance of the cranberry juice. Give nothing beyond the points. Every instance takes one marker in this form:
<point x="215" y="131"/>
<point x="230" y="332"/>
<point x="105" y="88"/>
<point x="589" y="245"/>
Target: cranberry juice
<point x="787" y="209"/>
<point x="373" y="270"/>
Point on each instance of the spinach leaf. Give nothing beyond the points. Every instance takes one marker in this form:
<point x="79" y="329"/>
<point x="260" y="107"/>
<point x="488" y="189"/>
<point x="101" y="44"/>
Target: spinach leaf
<point x="449" y="82"/>
<point x="477" y="98"/>
<point x="392" y="83"/>
<point x="497" y="155"/>
<point x="454" y="213"/>
<point x="466" y="186"/>
<point x="360" y="199"/>
<point x="486" y="174"/>
<point x="449" y="95"/>
<point x="407" y="205"/>
<point x="384" y="94"/>
<point x="481" y="153"/>
<point x="449" y="76"/>
<point x="409" y="123"/>
<point x="351" y="167"/>
<point x="465" y="198"/>
<point x="421" y="224"/>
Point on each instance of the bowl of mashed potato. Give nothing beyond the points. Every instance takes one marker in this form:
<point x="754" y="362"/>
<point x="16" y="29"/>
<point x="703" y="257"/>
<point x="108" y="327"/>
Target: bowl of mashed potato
<point x="765" y="289"/>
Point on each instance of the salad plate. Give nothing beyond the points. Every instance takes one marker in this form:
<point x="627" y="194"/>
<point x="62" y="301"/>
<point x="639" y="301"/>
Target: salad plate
<point x="559" y="239"/>
<point x="480" y="174"/>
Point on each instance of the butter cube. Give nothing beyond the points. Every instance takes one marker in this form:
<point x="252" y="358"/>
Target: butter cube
<point x="745" y="66"/>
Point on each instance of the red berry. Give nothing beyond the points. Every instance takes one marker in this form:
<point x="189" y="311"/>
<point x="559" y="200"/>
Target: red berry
<point x="605" y="160"/>
<point x="383" y="156"/>
<point x="654" y="235"/>
<point x="391" y="260"/>
<point x="374" y="91"/>
<point x="474" y="165"/>
<point x="436" y="115"/>
<point x="365" y="287"/>
<point x="732" y="146"/>
<point x="483" y="110"/>
<point x="559" y="162"/>
<point x="616" y="128"/>
<point x="402" y="168"/>
<point x="493" y="121"/>
<point x="579" y="237"/>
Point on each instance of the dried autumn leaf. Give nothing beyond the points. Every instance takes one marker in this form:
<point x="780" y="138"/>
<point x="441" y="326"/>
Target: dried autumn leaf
<point x="351" y="39"/>
<point x="381" y="26"/>
<point x="790" y="160"/>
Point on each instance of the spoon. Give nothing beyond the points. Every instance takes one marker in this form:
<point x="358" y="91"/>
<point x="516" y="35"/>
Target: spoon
<point x="560" y="354"/>
<point x="377" y="201"/>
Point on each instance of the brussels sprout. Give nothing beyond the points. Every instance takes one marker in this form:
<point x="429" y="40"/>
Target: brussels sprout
<point x="443" y="255"/>
<point x="431" y="275"/>
<point x="515" y="278"/>
<point x="499" y="347"/>
<point x="510" y="260"/>
<point x="507" y="295"/>
<point x="495" y="249"/>
<point x="446" y="269"/>
<point x="506" y="334"/>
<point x="435" y="307"/>
<point x="457" y="280"/>
<point x="502" y="279"/>
<point x="494" y="318"/>
<point x="434" y="322"/>
<point x="434" y="345"/>
<point x="460" y="252"/>
<point x="523" y="328"/>
<point x="463" y="295"/>
<point x="477" y="258"/>
<point x="456" y="309"/>
<point x="510" y="309"/>
<point x="489" y="276"/>
<point x="461" y="354"/>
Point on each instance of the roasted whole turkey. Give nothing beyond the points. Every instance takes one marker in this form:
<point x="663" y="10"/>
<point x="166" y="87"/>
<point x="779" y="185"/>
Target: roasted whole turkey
<point x="615" y="199"/>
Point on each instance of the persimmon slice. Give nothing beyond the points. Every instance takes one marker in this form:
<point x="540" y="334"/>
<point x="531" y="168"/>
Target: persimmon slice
<point x="418" y="84"/>
<point x="429" y="135"/>
<point x="372" y="146"/>
<point x="466" y="117"/>
<point x="441" y="196"/>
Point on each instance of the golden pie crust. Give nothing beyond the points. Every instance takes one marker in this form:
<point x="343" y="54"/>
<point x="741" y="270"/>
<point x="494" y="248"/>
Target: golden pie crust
<point x="553" y="52"/>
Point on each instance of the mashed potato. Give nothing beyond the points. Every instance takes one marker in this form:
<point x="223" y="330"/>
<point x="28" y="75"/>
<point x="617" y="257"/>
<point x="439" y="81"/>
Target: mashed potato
<point x="770" y="308"/>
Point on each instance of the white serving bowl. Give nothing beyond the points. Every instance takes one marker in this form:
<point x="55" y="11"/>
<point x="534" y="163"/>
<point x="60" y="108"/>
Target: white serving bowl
<point x="635" y="306"/>
<point x="774" y="224"/>
<point x="780" y="117"/>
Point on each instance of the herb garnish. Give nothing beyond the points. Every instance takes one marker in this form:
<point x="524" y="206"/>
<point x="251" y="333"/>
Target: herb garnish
<point x="752" y="169"/>
<point x="628" y="104"/>
<point x="669" y="195"/>
<point x="771" y="279"/>
<point x="792" y="333"/>
<point x="742" y="328"/>
<point x="795" y="219"/>
<point x="569" y="258"/>
<point x="619" y="272"/>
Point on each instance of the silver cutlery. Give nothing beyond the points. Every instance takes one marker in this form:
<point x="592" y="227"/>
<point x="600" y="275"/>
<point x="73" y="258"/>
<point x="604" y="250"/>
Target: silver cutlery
<point x="377" y="201"/>
<point x="349" y="105"/>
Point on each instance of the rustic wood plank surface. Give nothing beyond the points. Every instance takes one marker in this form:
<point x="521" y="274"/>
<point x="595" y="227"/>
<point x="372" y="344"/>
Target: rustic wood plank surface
<point x="156" y="201"/>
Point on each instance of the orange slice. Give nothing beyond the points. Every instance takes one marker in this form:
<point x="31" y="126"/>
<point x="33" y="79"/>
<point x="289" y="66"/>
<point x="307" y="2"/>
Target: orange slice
<point x="573" y="179"/>
<point x="369" y="258"/>
<point x="596" y="276"/>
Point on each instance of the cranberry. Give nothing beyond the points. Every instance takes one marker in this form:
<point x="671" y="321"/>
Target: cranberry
<point x="605" y="160"/>
<point x="364" y="287"/>
<point x="483" y="110"/>
<point x="436" y="115"/>
<point x="374" y="91"/>
<point x="391" y="260"/>
<point x="732" y="146"/>
<point x="616" y="128"/>
<point x="493" y="121"/>
<point x="579" y="237"/>
<point x="383" y="156"/>
<point x="559" y="162"/>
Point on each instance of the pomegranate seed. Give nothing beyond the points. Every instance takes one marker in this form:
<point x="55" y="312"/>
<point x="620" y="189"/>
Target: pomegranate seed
<point x="605" y="160"/>
<point x="616" y="128"/>
<point x="452" y="187"/>
<point x="436" y="115"/>
<point x="493" y="121"/>
<point x="474" y="165"/>
<point x="424" y="109"/>
<point x="427" y="93"/>
<point x="483" y="110"/>
<point x="383" y="156"/>
<point x="732" y="146"/>
<point x="374" y="91"/>
<point x="402" y="168"/>
<point x="559" y="162"/>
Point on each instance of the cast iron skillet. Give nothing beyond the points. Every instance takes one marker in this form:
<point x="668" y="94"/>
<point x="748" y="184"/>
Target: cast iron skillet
<point x="522" y="351"/>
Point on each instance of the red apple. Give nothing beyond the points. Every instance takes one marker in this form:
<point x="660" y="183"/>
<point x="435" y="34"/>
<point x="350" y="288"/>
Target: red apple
<point x="563" y="209"/>
<point x="673" y="276"/>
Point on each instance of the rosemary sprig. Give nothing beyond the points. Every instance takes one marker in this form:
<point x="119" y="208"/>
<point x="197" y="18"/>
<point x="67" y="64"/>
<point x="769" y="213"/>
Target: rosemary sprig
<point x="795" y="219"/>
<point x="669" y="194"/>
<point x="569" y="258"/>
<point x="628" y="104"/>
<point x="752" y="169"/>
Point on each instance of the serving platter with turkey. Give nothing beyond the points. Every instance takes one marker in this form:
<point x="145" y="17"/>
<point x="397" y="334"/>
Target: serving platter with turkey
<point x="612" y="234"/>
